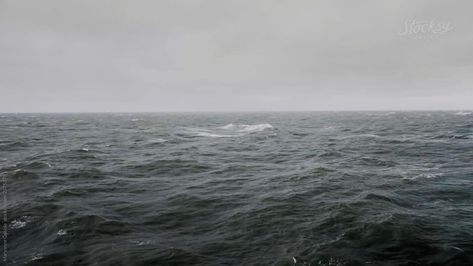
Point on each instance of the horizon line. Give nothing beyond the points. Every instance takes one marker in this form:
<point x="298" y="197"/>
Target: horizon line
<point x="238" y="111"/>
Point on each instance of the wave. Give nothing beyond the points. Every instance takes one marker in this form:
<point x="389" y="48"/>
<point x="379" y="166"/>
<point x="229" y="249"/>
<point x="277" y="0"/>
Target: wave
<point x="166" y="168"/>
<point x="17" y="224"/>
<point x="61" y="232"/>
<point x="372" y="161"/>
<point x="451" y="136"/>
<point x="13" y="146"/>
<point x="247" y="128"/>
<point x="463" y="113"/>
<point x="374" y="136"/>
<point x="213" y="135"/>
<point x="386" y="139"/>
<point x="157" y="141"/>
<point x="21" y="174"/>
<point x="422" y="176"/>
<point x="90" y="225"/>
<point x="229" y="130"/>
<point x="35" y="165"/>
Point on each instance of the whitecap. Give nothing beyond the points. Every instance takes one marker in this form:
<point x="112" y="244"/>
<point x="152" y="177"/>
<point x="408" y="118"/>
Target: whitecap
<point x="228" y="131"/>
<point x="37" y="256"/>
<point x="140" y="243"/>
<point x="61" y="232"/>
<point x="463" y="113"/>
<point x="423" y="176"/>
<point x="228" y="126"/>
<point x="19" y="223"/>
<point x="213" y="135"/>
<point x="243" y="128"/>
<point x="255" y="128"/>
<point x="202" y="132"/>
<point x="431" y="175"/>
<point x="389" y="113"/>
<point x="247" y="128"/>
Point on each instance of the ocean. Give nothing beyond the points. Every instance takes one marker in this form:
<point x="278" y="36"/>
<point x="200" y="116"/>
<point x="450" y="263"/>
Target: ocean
<point x="296" y="188"/>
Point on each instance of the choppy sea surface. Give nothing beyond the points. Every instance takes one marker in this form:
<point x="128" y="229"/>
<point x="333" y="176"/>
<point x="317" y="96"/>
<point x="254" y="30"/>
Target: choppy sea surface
<point x="315" y="188"/>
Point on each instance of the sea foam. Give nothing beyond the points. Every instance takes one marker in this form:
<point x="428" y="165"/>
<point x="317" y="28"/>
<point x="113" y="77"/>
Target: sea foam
<point x="463" y="113"/>
<point x="229" y="130"/>
<point x="247" y="128"/>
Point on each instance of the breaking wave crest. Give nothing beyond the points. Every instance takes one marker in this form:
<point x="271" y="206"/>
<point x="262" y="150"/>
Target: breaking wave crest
<point x="247" y="128"/>
<point x="229" y="130"/>
<point x="463" y="113"/>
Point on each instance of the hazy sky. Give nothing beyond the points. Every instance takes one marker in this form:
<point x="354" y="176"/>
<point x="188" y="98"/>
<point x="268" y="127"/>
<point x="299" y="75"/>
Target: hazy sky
<point x="221" y="55"/>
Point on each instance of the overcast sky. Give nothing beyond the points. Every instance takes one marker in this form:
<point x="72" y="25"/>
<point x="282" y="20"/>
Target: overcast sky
<point x="219" y="55"/>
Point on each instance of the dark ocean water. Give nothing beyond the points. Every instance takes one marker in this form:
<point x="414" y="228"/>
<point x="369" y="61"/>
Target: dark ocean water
<point x="321" y="188"/>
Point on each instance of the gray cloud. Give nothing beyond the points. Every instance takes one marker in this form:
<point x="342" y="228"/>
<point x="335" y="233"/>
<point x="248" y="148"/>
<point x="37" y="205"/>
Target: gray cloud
<point x="232" y="55"/>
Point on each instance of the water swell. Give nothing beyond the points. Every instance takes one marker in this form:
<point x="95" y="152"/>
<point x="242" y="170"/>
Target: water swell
<point x="463" y="113"/>
<point x="13" y="145"/>
<point x="90" y="225"/>
<point x="247" y="128"/>
<point x="228" y="131"/>
<point x="193" y="189"/>
<point x="21" y="175"/>
<point x="175" y="167"/>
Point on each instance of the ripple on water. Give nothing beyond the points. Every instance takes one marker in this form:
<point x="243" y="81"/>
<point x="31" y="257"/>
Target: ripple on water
<point x="167" y="168"/>
<point x="239" y="189"/>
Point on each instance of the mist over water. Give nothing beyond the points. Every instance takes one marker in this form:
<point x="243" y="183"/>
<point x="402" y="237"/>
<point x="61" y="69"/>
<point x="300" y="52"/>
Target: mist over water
<point x="315" y="188"/>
